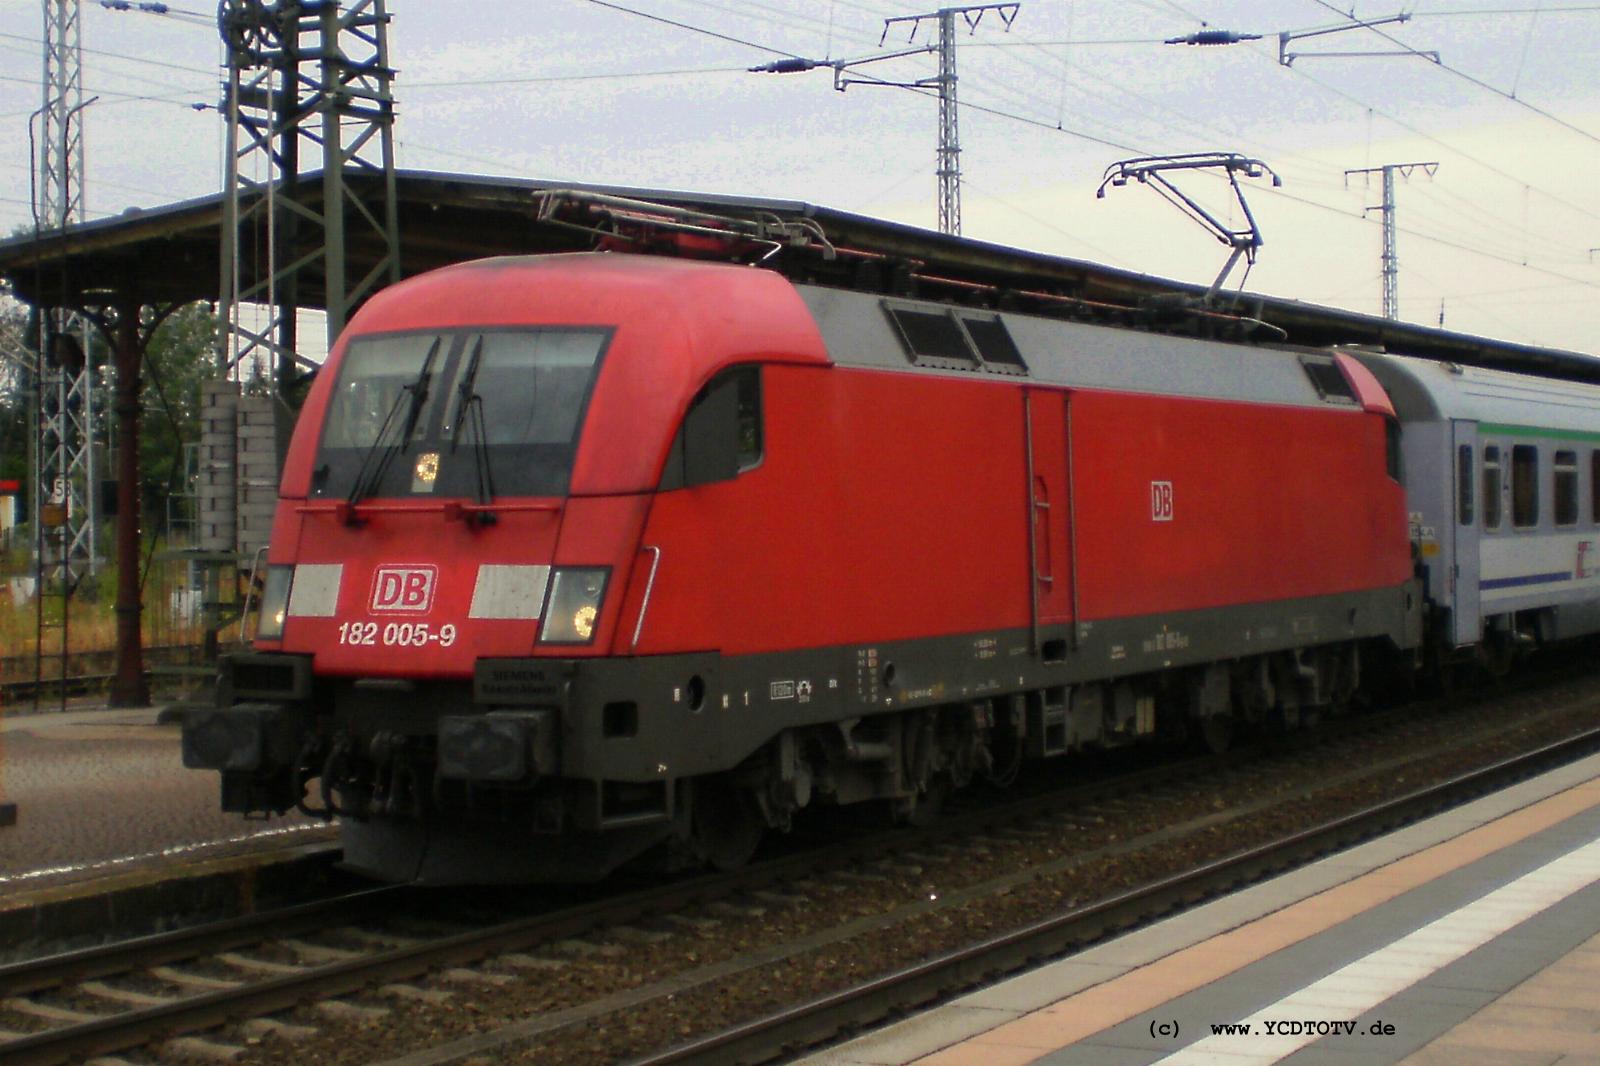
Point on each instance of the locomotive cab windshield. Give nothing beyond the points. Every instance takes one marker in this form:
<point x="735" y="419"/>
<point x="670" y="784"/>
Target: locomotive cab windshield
<point x="458" y="405"/>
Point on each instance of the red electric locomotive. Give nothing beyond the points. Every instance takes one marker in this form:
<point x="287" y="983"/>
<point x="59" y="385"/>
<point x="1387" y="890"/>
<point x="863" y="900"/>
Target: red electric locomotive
<point x="583" y="558"/>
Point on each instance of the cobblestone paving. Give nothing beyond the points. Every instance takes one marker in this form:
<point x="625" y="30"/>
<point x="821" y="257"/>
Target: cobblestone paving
<point x="99" y="791"/>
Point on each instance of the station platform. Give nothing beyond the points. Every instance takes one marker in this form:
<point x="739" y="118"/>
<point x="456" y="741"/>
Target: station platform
<point x="1469" y="939"/>
<point x="103" y="793"/>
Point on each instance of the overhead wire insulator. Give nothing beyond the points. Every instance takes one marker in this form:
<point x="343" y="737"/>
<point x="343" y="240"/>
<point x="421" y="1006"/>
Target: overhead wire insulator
<point x="1213" y="37"/>
<point x="786" y="66"/>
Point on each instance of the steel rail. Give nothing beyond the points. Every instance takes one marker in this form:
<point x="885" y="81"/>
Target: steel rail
<point x="16" y="686"/>
<point x="177" y="945"/>
<point x="12" y="661"/>
<point x="75" y="684"/>
<point x="915" y="986"/>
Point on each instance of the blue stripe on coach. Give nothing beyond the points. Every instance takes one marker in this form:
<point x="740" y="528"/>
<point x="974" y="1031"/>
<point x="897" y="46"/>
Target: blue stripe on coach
<point x="1526" y="579"/>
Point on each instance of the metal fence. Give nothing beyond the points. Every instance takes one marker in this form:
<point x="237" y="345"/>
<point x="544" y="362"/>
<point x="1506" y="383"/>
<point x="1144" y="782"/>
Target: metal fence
<point x="192" y="611"/>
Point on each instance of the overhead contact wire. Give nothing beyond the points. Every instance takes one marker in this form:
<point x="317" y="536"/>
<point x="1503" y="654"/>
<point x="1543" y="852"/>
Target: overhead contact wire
<point x="1479" y="82"/>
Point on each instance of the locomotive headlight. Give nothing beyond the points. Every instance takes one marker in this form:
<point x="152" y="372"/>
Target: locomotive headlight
<point x="274" y="602"/>
<point x="573" y="606"/>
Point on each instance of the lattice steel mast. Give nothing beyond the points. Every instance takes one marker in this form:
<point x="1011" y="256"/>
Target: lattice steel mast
<point x="64" y="472"/>
<point x="949" y="171"/>
<point x="1391" y="260"/>
<point x="315" y="71"/>
<point x="949" y="158"/>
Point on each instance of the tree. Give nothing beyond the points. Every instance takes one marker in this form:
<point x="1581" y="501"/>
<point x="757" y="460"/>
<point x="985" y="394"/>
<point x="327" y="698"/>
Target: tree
<point x="16" y="361"/>
<point x="178" y="359"/>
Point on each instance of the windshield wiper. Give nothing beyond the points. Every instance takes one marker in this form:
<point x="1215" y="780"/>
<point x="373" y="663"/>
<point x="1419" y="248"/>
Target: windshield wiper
<point x="469" y="405"/>
<point x="464" y="392"/>
<point x="382" y="452"/>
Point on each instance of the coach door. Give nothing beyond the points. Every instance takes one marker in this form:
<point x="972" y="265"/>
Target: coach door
<point x="1466" y="459"/>
<point x="1047" y="420"/>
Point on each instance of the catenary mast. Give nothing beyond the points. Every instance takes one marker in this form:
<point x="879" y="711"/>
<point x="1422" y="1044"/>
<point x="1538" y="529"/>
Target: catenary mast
<point x="64" y="462"/>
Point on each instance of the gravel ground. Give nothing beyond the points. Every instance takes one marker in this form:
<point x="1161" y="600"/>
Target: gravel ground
<point x="101" y="791"/>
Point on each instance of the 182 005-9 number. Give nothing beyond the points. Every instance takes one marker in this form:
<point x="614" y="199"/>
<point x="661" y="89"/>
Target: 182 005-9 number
<point x="396" y="634"/>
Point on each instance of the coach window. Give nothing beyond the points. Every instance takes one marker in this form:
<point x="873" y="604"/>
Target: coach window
<point x="1566" y="470"/>
<point x="1524" y="486"/>
<point x="1464" y="484"/>
<point x="1491" y="486"/>
<point x="721" y="436"/>
<point x="1594" y="485"/>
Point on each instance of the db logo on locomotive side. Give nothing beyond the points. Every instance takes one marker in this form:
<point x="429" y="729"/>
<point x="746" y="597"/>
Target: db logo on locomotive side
<point x="407" y="589"/>
<point x="1161" y="501"/>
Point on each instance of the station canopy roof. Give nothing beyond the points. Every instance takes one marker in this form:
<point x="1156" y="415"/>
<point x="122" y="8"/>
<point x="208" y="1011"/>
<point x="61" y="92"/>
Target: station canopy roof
<point x="172" y="254"/>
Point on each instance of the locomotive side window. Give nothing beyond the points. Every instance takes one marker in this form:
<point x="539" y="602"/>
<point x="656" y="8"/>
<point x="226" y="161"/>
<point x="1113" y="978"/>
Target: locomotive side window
<point x="1566" y="471"/>
<point x="1524" y="486"/>
<point x="1491" y="486"/>
<point x="1464" y="484"/>
<point x="721" y="436"/>
<point x="1391" y="454"/>
<point x="1328" y="379"/>
<point x="752" y="445"/>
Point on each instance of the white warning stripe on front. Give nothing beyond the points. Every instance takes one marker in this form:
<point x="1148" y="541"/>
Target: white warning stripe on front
<point x="509" y="591"/>
<point x="1352" y="990"/>
<point x="315" y="591"/>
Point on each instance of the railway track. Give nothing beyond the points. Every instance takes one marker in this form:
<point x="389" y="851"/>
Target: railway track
<point x="86" y="968"/>
<point x="322" y="972"/>
<point x="13" y="693"/>
<point x="320" y="978"/>
<point x="93" y="672"/>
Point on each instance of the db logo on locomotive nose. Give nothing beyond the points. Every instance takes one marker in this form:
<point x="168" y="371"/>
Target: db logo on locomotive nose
<point x="407" y="589"/>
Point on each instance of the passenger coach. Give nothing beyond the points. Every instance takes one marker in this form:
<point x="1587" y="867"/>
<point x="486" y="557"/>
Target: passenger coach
<point x="1504" y="477"/>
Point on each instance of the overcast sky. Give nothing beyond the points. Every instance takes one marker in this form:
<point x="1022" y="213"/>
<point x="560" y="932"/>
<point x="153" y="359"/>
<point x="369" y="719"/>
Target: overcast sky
<point x="1503" y="240"/>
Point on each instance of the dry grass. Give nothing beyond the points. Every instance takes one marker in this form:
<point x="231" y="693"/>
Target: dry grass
<point x="90" y="627"/>
<point x="91" y="619"/>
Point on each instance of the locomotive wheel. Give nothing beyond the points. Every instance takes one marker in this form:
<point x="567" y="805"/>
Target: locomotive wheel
<point x="726" y="825"/>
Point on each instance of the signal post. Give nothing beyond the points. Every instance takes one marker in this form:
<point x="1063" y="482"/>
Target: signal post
<point x="8" y="495"/>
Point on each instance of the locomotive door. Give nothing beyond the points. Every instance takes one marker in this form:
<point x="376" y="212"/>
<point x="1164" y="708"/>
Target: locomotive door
<point x="1046" y="419"/>
<point x="1465" y="571"/>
